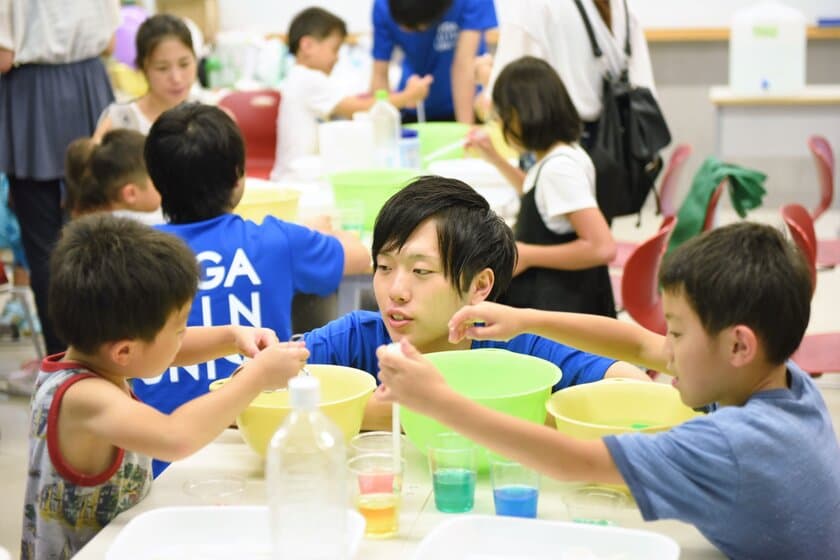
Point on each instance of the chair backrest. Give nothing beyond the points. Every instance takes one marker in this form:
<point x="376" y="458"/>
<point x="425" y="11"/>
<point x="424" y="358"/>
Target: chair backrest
<point x="824" y="160"/>
<point x="801" y="228"/>
<point x="640" y="280"/>
<point x="256" y="115"/>
<point x="711" y="207"/>
<point x="671" y="178"/>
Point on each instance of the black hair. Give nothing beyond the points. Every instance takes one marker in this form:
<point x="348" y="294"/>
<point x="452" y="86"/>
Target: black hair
<point x="744" y="274"/>
<point x="95" y="173"/>
<point x="157" y="28"/>
<point x="471" y="237"/>
<point x="315" y="22"/>
<point x="529" y="92"/>
<point x="113" y="279"/>
<point x="195" y="156"/>
<point x="414" y="14"/>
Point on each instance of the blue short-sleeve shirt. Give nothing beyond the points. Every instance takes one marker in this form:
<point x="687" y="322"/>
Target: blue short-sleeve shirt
<point x="761" y="480"/>
<point x="431" y="51"/>
<point x="352" y="341"/>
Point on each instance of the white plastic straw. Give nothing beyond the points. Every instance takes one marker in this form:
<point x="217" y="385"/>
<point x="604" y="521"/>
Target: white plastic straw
<point x="395" y="438"/>
<point x="443" y="151"/>
<point x="421" y="112"/>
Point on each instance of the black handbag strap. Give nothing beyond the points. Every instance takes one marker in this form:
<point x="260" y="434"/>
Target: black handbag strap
<point x="596" y="50"/>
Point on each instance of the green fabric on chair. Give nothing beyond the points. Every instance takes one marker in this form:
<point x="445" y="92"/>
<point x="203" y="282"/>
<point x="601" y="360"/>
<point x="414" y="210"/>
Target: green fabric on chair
<point x="746" y="191"/>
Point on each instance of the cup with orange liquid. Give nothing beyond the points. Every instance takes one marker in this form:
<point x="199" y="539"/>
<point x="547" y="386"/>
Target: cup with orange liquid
<point x="377" y="484"/>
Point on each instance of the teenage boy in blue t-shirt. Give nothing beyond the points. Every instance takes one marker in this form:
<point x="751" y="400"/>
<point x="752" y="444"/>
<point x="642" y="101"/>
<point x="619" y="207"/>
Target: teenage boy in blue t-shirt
<point x="250" y="272"/>
<point x="440" y="38"/>
<point x="437" y="246"/>
<point x="760" y="476"/>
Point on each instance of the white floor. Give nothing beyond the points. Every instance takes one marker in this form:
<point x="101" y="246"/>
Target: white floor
<point x="825" y="316"/>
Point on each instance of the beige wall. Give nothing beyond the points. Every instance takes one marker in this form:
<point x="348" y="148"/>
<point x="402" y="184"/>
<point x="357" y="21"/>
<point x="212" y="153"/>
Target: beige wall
<point x="685" y="71"/>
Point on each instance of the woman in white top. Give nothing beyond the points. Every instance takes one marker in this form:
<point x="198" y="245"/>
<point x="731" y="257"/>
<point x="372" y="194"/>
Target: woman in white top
<point x="555" y="32"/>
<point x="166" y="57"/>
<point x="563" y="240"/>
<point x="52" y="88"/>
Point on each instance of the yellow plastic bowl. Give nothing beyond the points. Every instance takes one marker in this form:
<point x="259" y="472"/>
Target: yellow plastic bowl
<point x="344" y="394"/>
<point x="261" y="199"/>
<point x="617" y="406"/>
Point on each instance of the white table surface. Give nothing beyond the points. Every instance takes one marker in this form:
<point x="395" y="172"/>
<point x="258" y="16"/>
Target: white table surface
<point x="228" y="454"/>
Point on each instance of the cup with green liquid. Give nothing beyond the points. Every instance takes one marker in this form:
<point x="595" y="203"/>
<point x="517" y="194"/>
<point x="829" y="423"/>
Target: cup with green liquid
<point x="452" y="462"/>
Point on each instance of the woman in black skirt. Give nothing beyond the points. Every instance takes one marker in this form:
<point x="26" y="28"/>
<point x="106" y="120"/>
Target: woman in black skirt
<point x="53" y="86"/>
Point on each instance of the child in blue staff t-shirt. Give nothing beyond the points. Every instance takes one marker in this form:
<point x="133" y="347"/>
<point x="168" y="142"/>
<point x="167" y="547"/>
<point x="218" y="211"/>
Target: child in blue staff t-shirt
<point x="760" y="475"/>
<point x="440" y="38"/>
<point x="437" y="246"/>
<point x="195" y="156"/>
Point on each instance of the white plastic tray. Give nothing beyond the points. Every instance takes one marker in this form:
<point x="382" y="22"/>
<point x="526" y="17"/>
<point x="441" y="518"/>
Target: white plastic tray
<point x="480" y="537"/>
<point x="207" y="533"/>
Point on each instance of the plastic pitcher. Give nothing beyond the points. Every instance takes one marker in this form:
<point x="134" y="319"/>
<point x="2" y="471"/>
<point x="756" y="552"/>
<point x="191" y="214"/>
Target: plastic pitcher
<point x="767" y="49"/>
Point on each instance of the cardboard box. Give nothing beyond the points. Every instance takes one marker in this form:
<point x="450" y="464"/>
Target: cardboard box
<point x="205" y="14"/>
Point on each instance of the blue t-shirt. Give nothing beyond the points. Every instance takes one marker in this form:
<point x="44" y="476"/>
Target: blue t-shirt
<point x="352" y="341"/>
<point x="249" y="275"/>
<point x="431" y="51"/>
<point x="760" y="480"/>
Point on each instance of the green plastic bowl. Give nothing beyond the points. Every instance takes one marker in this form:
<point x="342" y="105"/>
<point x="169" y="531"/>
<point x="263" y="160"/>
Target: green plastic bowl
<point x="436" y="135"/>
<point x="515" y="384"/>
<point x="371" y="187"/>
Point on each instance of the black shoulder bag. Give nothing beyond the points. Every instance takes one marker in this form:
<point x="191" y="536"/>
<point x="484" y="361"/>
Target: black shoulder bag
<point x="631" y="132"/>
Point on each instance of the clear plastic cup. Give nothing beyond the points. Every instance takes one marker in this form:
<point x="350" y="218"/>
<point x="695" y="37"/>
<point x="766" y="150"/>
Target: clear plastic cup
<point x="515" y="488"/>
<point x="452" y="462"/>
<point x="221" y="490"/>
<point x="596" y="504"/>
<point x="375" y="442"/>
<point x="376" y="482"/>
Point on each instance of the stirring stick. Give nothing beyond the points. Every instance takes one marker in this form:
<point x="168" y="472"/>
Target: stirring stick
<point x="395" y="438"/>
<point x="421" y="112"/>
<point x="443" y="151"/>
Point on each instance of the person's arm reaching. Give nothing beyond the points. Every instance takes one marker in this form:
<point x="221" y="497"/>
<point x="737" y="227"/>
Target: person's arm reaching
<point x="416" y="89"/>
<point x="202" y="344"/>
<point x="103" y="410"/>
<point x="463" y="75"/>
<point x="479" y="140"/>
<point x="379" y="76"/>
<point x="597" y="335"/>
<point x="357" y="258"/>
<point x="412" y="380"/>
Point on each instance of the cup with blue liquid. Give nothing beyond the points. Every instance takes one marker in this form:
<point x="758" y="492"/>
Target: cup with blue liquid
<point x="516" y="488"/>
<point x="452" y="461"/>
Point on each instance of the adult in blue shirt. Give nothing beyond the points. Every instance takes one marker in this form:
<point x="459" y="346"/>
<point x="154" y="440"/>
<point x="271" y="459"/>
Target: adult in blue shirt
<point x="440" y="38"/>
<point x="438" y="246"/>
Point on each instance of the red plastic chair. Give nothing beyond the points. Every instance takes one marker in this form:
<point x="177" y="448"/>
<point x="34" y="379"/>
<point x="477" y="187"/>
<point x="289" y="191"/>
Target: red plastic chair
<point x="640" y="283"/>
<point x="256" y="115"/>
<point x="667" y="199"/>
<point x="827" y="251"/>
<point x="711" y="207"/>
<point x="824" y="160"/>
<point x="797" y="220"/>
<point x="817" y="353"/>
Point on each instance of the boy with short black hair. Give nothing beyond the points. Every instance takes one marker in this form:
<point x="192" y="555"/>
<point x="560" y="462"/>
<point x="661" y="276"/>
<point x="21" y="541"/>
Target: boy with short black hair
<point x="759" y="475"/>
<point x="250" y="272"/>
<point x="309" y="97"/>
<point x="119" y="294"/>
<point x="438" y="246"/>
<point x="439" y="38"/>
